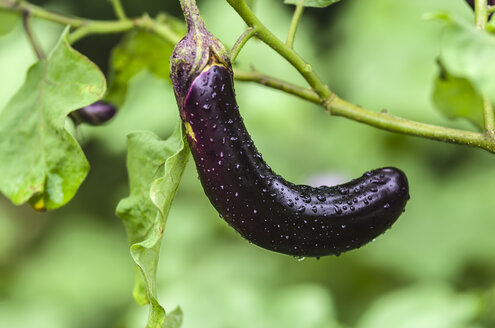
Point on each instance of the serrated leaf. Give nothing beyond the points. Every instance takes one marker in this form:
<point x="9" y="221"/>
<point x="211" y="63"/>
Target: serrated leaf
<point x="138" y="50"/>
<point x="155" y="168"/>
<point x="41" y="162"/>
<point x="313" y="3"/>
<point x="456" y="97"/>
<point x="8" y="21"/>
<point x="468" y="53"/>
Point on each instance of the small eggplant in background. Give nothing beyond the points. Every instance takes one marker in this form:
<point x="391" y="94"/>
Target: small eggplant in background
<point x="98" y="113"/>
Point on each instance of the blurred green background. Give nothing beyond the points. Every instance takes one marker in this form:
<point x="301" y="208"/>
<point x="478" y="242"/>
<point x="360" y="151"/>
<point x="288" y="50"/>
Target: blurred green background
<point x="434" y="268"/>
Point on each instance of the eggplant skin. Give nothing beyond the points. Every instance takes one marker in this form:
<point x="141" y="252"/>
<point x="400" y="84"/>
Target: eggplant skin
<point x="262" y="206"/>
<point x="98" y="113"/>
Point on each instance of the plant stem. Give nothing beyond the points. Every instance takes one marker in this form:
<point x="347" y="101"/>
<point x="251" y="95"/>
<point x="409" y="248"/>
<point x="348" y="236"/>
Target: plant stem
<point x="294" y="24"/>
<point x="26" y="20"/>
<point x="480" y="14"/>
<point x="264" y="34"/>
<point x="162" y="29"/>
<point x="118" y="9"/>
<point x="254" y="76"/>
<point x="340" y="107"/>
<point x="85" y="27"/>
<point x="481" y="17"/>
<point x="383" y="120"/>
<point x="393" y="123"/>
<point x="193" y="18"/>
<point x="101" y="27"/>
<point x="489" y="117"/>
<point x="248" y="34"/>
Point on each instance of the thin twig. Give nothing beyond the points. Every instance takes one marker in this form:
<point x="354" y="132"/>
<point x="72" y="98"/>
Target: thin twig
<point x="85" y="27"/>
<point x="118" y="9"/>
<point x="481" y="17"/>
<point x="26" y="20"/>
<point x="340" y="107"/>
<point x="489" y="117"/>
<point x="481" y="14"/>
<point x="294" y="24"/>
<point x="248" y="34"/>
<point x="257" y="77"/>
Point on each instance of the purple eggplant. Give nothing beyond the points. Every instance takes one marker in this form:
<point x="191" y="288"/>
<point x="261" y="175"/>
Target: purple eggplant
<point x="97" y="113"/>
<point x="262" y="206"/>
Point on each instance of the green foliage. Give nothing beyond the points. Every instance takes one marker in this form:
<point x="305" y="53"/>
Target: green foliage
<point x="49" y="165"/>
<point x="155" y="168"/>
<point x="434" y="268"/>
<point x="467" y="52"/>
<point x="456" y="98"/>
<point x="7" y="22"/>
<point x="137" y="51"/>
<point x="313" y="3"/>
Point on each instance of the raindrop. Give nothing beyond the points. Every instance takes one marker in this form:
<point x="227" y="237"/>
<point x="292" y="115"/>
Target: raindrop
<point x="306" y="198"/>
<point x="386" y="206"/>
<point x="321" y="198"/>
<point x="290" y="203"/>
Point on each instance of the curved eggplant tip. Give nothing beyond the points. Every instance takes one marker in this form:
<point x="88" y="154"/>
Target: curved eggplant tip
<point x="395" y="194"/>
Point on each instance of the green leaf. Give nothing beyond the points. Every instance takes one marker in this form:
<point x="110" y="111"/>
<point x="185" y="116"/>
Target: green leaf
<point x="7" y="22"/>
<point x="155" y="168"/>
<point x="138" y="50"/>
<point x="46" y="165"/>
<point x="313" y="3"/>
<point x="456" y="98"/>
<point x="468" y="53"/>
<point x="174" y="319"/>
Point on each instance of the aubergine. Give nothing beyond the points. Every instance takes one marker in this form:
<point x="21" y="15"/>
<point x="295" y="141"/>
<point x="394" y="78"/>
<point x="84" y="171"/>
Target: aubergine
<point x="98" y="113"/>
<point x="262" y="206"/>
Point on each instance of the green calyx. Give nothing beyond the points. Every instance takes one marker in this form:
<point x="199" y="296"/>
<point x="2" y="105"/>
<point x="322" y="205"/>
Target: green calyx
<point x="196" y="51"/>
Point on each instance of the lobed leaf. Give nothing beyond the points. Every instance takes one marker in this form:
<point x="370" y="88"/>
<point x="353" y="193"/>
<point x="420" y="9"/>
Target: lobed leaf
<point x="313" y="3"/>
<point x="41" y="162"/>
<point x="138" y="50"/>
<point x="155" y="168"/>
<point x="457" y="98"/>
<point x="468" y="53"/>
